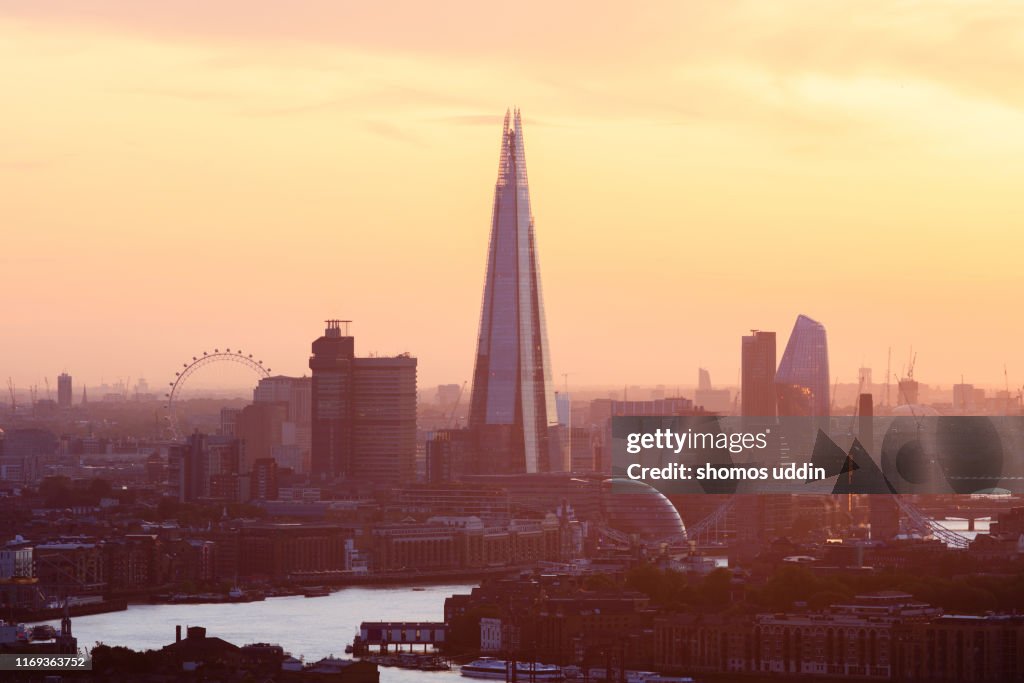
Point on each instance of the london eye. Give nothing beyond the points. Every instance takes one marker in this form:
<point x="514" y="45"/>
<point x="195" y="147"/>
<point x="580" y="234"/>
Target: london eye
<point x="172" y="425"/>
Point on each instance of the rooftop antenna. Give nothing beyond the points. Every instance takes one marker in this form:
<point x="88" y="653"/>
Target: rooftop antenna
<point x="337" y="328"/>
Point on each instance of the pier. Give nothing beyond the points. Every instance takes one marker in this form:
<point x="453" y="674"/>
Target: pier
<point x="383" y="634"/>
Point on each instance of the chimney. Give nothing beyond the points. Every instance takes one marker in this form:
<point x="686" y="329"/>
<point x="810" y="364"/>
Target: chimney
<point x="177" y="633"/>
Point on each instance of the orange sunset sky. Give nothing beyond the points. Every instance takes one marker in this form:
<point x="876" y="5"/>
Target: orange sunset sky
<point x="176" y="176"/>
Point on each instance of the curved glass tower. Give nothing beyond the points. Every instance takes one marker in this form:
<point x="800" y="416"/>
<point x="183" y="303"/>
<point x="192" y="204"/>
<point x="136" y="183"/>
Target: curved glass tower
<point x="801" y="384"/>
<point x="512" y="408"/>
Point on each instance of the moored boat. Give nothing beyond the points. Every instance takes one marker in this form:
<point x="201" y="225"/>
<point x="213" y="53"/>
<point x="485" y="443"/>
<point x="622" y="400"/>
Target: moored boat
<point x="487" y="667"/>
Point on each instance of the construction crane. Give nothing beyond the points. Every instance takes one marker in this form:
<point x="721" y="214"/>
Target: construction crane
<point x="832" y="404"/>
<point x="1006" y="381"/>
<point x="736" y="398"/>
<point x="888" y="376"/>
<point x="455" y="407"/>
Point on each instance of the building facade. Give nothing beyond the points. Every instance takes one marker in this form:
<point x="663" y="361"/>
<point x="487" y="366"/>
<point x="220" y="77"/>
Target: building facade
<point x="513" y="405"/>
<point x="757" y="390"/>
<point x="801" y="384"/>
<point x="363" y="412"/>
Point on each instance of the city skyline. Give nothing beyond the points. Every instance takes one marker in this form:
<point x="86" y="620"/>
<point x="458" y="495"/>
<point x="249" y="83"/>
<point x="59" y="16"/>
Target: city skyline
<point x="298" y="179"/>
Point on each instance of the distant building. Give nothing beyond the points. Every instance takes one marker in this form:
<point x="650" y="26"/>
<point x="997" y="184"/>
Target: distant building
<point x="263" y="479"/>
<point x="909" y="392"/>
<point x="296" y="431"/>
<point x="16" y="561"/>
<point x="711" y="399"/>
<point x="802" y="381"/>
<point x="602" y="410"/>
<point x="448" y="394"/>
<point x="204" y="467"/>
<point x="64" y="390"/>
<point x="963" y="397"/>
<point x="259" y="427"/>
<point x="757" y="389"/>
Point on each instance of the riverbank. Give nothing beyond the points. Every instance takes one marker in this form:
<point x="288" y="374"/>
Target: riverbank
<point x="323" y="584"/>
<point x="22" y="614"/>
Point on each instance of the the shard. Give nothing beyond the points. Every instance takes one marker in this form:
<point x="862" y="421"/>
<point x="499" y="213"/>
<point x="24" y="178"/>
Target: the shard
<point x="512" y="409"/>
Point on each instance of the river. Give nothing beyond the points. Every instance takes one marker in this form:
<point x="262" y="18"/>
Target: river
<point x="312" y="628"/>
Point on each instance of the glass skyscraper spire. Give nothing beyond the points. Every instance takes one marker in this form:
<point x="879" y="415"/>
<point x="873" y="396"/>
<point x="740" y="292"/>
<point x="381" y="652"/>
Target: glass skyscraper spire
<point x="512" y="407"/>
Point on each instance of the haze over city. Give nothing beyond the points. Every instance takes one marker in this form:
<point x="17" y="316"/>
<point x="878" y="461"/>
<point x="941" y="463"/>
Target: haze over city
<point x="181" y="179"/>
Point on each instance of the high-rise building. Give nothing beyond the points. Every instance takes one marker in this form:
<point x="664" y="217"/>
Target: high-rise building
<point x="331" y="405"/>
<point x="710" y="399"/>
<point x="64" y="390"/>
<point x="296" y="432"/>
<point x="512" y="409"/>
<point x="259" y="427"/>
<point x="194" y="463"/>
<point x="801" y="384"/>
<point x="384" y="428"/>
<point x="363" y="412"/>
<point x="963" y="397"/>
<point x="757" y="388"/>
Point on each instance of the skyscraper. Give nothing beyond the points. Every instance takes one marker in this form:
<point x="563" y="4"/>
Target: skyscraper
<point x="363" y="412"/>
<point x="801" y="384"/>
<point x="64" y="390"/>
<point x="757" y="390"/>
<point x="512" y="408"/>
<point x="330" y="404"/>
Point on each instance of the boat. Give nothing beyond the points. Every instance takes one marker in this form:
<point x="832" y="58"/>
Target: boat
<point x="316" y="592"/>
<point x="42" y="632"/>
<point x="487" y="667"/>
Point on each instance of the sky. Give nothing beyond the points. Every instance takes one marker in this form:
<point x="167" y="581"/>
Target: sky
<point x="182" y="176"/>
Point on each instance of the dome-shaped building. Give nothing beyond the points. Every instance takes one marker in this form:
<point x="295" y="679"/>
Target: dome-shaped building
<point x="634" y="507"/>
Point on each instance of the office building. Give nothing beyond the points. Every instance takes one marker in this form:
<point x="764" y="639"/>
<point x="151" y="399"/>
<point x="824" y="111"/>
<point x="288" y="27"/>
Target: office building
<point x="512" y="408"/>
<point x="801" y="383"/>
<point x="64" y="390"/>
<point x="757" y="388"/>
<point x="710" y="399"/>
<point x="296" y="430"/>
<point x="363" y="412"/>
<point x="331" y="402"/>
<point x="259" y="427"/>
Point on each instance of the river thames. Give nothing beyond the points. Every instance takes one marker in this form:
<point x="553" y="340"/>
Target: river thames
<point x="311" y="628"/>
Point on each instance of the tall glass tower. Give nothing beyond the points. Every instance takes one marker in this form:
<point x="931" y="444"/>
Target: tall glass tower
<point x="801" y="384"/>
<point x="512" y="408"/>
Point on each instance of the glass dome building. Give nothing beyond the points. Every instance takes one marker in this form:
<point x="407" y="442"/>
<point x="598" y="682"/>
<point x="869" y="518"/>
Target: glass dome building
<point x="633" y="507"/>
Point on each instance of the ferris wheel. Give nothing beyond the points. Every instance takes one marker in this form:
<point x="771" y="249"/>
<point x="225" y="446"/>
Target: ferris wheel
<point x="171" y="425"/>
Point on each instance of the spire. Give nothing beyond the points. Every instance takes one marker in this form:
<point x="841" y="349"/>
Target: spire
<point x="512" y="389"/>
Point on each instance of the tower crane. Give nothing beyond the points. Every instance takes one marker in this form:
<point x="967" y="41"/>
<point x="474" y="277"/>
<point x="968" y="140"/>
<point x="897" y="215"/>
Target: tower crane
<point x="455" y="406"/>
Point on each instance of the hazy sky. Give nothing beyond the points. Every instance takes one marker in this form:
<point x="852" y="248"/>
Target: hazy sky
<point x="182" y="175"/>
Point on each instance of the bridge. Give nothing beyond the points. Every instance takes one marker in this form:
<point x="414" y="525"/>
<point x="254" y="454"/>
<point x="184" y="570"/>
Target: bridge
<point x="713" y="529"/>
